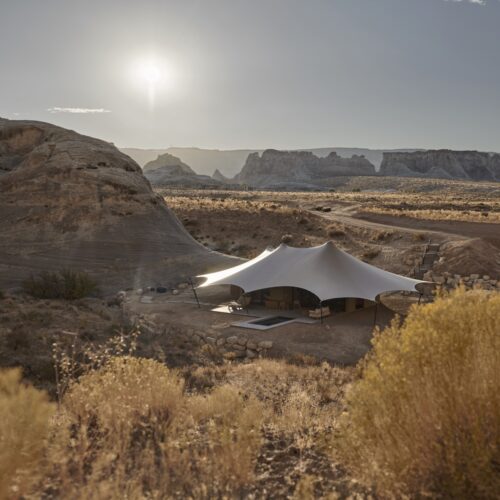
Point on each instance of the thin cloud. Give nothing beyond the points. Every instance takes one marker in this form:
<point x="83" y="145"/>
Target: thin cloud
<point x="477" y="2"/>
<point x="57" y="109"/>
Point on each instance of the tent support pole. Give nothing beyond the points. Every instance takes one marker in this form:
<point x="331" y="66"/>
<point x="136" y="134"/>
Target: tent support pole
<point x="375" y="314"/>
<point x="419" y="297"/>
<point x="321" y="311"/>
<point x="194" y="292"/>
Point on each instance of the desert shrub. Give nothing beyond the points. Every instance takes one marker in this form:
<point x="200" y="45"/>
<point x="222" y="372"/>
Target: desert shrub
<point x="419" y="236"/>
<point x="286" y="238"/>
<point x="25" y="414"/>
<point x="425" y="416"/>
<point x="128" y="429"/>
<point x="335" y="232"/>
<point x="382" y="235"/>
<point x="371" y="253"/>
<point x="65" y="284"/>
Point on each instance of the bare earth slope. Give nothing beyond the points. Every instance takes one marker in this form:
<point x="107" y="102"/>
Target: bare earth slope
<point x="71" y="201"/>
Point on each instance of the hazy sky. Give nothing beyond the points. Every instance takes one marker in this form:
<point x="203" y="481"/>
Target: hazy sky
<point x="257" y="73"/>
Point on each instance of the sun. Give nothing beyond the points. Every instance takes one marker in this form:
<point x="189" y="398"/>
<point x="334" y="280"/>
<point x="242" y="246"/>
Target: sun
<point x="153" y="76"/>
<point x="150" y="72"/>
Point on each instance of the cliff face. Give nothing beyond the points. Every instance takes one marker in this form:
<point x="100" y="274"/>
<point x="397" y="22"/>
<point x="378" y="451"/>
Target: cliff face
<point x="299" y="168"/>
<point x="71" y="201"/>
<point x="446" y="164"/>
<point x="168" y="170"/>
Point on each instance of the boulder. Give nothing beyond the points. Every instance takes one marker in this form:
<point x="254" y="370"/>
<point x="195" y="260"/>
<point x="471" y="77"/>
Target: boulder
<point x="265" y="344"/>
<point x="251" y="344"/>
<point x="251" y="354"/>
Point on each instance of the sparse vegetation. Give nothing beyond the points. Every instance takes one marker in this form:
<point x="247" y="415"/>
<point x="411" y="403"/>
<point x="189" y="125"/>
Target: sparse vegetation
<point x="425" y="416"/>
<point x="421" y="418"/>
<point x="335" y="232"/>
<point x="371" y="253"/>
<point x="65" y="284"/>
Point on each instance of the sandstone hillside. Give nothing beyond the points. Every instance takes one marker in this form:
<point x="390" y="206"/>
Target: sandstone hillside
<point x="71" y="201"/>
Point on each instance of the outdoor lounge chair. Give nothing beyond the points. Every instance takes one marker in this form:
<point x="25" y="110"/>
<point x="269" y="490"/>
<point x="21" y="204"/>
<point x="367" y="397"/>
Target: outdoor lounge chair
<point x="320" y="312"/>
<point x="239" y="305"/>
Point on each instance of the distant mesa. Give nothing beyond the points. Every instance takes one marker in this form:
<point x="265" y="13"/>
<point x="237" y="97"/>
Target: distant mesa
<point x="444" y="164"/>
<point x="168" y="170"/>
<point x="75" y="202"/>
<point x="170" y="163"/>
<point x="299" y="169"/>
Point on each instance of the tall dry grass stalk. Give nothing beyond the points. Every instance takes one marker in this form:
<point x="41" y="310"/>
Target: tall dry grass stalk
<point x="425" y="416"/>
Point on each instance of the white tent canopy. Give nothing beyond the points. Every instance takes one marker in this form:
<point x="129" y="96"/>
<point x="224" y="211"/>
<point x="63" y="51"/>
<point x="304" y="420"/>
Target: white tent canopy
<point x="325" y="271"/>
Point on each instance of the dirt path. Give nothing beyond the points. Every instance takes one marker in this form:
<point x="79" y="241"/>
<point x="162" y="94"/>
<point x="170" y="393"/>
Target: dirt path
<point x="438" y="228"/>
<point x="351" y="218"/>
<point x="490" y="232"/>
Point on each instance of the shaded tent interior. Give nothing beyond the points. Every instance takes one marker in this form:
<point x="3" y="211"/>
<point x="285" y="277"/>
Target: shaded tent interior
<point x="291" y="298"/>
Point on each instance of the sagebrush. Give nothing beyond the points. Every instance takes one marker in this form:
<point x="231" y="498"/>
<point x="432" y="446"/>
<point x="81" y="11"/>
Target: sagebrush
<point x="65" y="284"/>
<point x="425" y="416"/>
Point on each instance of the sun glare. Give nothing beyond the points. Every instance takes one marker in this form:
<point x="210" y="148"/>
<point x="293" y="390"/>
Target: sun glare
<point x="150" y="72"/>
<point x="153" y="76"/>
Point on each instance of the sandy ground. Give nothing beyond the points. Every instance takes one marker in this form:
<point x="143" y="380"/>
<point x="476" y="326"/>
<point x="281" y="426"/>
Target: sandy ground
<point x="342" y="338"/>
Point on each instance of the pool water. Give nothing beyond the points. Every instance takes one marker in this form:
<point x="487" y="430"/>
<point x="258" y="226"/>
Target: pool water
<point x="274" y="320"/>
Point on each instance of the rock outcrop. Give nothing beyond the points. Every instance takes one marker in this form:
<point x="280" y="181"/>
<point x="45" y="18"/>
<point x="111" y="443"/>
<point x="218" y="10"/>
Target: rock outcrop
<point x="75" y="202"/>
<point x="299" y="169"/>
<point x="443" y="163"/>
<point x="217" y="176"/>
<point x="168" y="170"/>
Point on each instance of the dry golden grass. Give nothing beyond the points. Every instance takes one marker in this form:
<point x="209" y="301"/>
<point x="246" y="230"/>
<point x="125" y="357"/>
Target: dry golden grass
<point x="421" y="417"/>
<point x="416" y="198"/>
<point x="425" y="417"/>
<point x="25" y="415"/>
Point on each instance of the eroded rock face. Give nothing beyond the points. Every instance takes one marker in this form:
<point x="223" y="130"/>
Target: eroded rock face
<point x="170" y="162"/>
<point x="75" y="202"/>
<point x="168" y="170"/>
<point x="302" y="168"/>
<point x="444" y="163"/>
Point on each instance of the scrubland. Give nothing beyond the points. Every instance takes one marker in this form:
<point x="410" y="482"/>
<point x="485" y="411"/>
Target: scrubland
<point x="245" y="223"/>
<point x="429" y="199"/>
<point x="419" y="416"/>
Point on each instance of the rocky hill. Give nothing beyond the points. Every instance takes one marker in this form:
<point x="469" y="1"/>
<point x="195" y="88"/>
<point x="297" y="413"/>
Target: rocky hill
<point x="75" y="202"/>
<point x="168" y="170"/>
<point x="443" y="163"/>
<point x="170" y="162"/>
<point x="299" y="169"/>
<point x="217" y="175"/>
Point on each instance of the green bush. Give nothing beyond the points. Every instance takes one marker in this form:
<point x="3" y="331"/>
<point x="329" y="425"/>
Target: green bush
<point x="66" y="284"/>
<point x="424" y="419"/>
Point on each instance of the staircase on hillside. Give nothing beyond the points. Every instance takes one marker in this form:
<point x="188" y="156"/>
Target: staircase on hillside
<point x="429" y="256"/>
